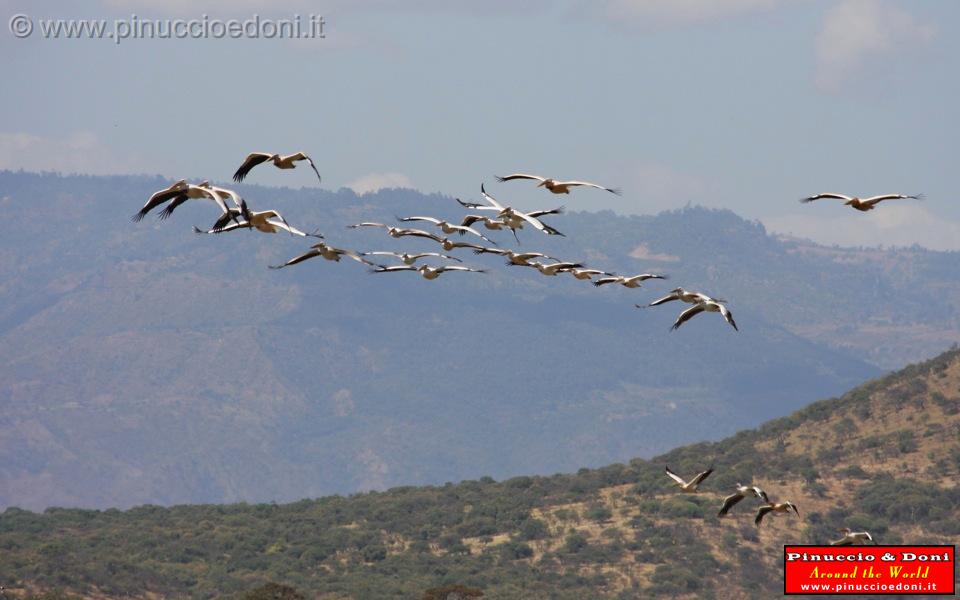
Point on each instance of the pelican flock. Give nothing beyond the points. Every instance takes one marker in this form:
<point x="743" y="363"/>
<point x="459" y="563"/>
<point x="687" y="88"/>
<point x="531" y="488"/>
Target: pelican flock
<point x="237" y="215"/>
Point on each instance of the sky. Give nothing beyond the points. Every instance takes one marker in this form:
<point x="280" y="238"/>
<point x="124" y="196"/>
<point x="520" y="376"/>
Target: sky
<point x="741" y="104"/>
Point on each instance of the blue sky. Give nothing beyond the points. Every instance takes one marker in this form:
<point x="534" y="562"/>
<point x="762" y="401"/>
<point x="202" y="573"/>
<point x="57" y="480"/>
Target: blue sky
<point x="745" y="104"/>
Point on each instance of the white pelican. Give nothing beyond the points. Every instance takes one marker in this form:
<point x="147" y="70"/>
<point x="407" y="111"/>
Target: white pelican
<point x="327" y="252"/>
<point x="552" y="269"/>
<point x="708" y="306"/>
<point x="853" y="538"/>
<point x="684" y="296"/>
<point x="267" y="221"/>
<point x="780" y="507"/>
<point x="448" y="227"/>
<point x="586" y="273"/>
<point x="629" y="282"/>
<point x="691" y="486"/>
<point x="427" y="271"/>
<point x="177" y="194"/>
<point x="399" y="232"/>
<point x="409" y="259"/>
<point x="513" y="258"/>
<point x="513" y="217"/>
<point x="281" y="162"/>
<point x="742" y="492"/>
<point x="864" y="204"/>
<point x="557" y="187"/>
<point x="491" y="224"/>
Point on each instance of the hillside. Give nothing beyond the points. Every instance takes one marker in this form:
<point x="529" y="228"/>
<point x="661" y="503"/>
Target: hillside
<point x="140" y="363"/>
<point x="884" y="457"/>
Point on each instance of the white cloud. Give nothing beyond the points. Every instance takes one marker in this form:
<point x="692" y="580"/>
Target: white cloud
<point x="80" y="152"/>
<point x="856" y="31"/>
<point x="375" y="181"/>
<point x="888" y="225"/>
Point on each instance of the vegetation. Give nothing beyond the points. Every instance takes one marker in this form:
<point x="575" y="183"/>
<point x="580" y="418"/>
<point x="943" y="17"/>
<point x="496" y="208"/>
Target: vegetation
<point x="616" y="532"/>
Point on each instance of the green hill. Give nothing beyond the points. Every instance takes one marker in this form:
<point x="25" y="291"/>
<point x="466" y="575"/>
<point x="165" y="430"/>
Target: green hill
<point x="884" y="457"/>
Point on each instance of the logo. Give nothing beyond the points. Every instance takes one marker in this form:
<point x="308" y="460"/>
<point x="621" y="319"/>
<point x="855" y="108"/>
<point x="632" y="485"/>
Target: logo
<point x="900" y="570"/>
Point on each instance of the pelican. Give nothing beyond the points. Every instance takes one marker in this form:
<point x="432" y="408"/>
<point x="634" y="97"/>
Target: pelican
<point x="491" y="224"/>
<point x="513" y="217"/>
<point x="513" y="258"/>
<point x="742" y="492"/>
<point x="557" y="187"/>
<point x="586" y="273"/>
<point x="864" y="204"/>
<point x="399" y="232"/>
<point x="780" y="507"/>
<point x="448" y="227"/>
<point x="177" y="194"/>
<point x="691" y="486"/>
<point x="428" y="272"/>
<point x="708" y="306"/>
<point x="281" y="162"/>
<point x="684" y="296"/>
<point x="327" y="252"/>
<point x="629" y="282"/>
<point x="853" y="538"/>
<point x="409" y="259"/>
<point x="552" y="269"/>
<point x="267" y="221"/>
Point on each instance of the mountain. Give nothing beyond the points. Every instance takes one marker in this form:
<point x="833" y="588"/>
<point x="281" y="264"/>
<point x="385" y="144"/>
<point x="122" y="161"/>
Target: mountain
<point x="884" y="457"/>
<point x="140" y="363"/>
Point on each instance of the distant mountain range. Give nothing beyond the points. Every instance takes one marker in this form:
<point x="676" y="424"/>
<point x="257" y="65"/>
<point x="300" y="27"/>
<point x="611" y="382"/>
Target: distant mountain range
<point x="883" y="458"/>
<point x="141" y="363"/>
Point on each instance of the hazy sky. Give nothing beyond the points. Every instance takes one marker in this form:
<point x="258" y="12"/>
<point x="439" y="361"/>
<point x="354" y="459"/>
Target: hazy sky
<point x="746" y="104"/>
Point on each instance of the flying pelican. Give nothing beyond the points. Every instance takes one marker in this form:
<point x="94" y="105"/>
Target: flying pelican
<point x="513" y="258"/>
<point x="552" y="269"/>
<point x="586" y="273"/>
<point x="426" y="271"/>
<point x="267" y="221"/>
<point x="557" y="187"/>
<point x="742" y="492"/>
<point x="448" y="227"/>
<point x="409" y="259"/>
<point x="491" y="224"/>
<point x="327" y="252"/>
<point x="281" y="162"/>
<point x="177" y="194"/>
<point x="691" y="486"/>
<point x="862" y="205"/>
<point x="853" y="538"/>
<point x="708" y="306"/>
<point x="399" y="232"/>
<point x="780" y="507"/>
<point x="684" y="296"/>
<point x="629" y="282"/>
<point x="513" y="217"/>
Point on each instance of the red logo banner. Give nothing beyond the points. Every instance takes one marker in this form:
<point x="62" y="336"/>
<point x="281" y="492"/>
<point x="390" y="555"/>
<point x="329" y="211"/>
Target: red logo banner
<point x="901" y="570"/>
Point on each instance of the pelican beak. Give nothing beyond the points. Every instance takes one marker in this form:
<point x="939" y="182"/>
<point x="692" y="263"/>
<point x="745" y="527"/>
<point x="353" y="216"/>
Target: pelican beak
<point x="541" y="184"/>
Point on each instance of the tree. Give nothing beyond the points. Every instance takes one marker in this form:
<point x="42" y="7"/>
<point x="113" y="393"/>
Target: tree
<point x="452" y="592"/>
<point x="273" y="591"/>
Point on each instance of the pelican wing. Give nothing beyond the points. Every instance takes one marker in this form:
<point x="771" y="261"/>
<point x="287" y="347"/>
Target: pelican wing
<point x="688" y="314"/>
<point x="445" y="268"/>
<point x="299" y="259"/>
<point x="760" y="494"/>
<point x="462" y="229"/>
<point x="588" y="184"/>
<point x="552" y="211"/>
<point x="513" y="176"/>
<point x="281" y="223"/>
<point x="394" y="269"/>
<point x="826" y="195"/>
<point x="156" y="200"/>
<point x="433" y="220"/>
<point x="729" y="503"/>
<point x="701" y="476"/>
<point x="367" y="224"/>
<point x="668" y="298"/>
<point x="761" y="512"/>
<point x="476" y="248"/>
<point x="845" y="541"/>
<point x="874" y="200"/>
<point x="490" y="199"/>
<point x="253" y="159"/>
<point x="674" y="476"/>
<point x="539" y="225"/>
<point x="606" y="280"/>
<point x="437" y="254"/>
<point x="302" y="156"/>
<point x="418" y="233"/>
<point x="477" y="206"/>
<point x="727" y="315"/>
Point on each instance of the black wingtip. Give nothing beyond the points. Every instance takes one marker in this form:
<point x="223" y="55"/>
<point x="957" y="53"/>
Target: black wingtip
<point x="616" y="191"/>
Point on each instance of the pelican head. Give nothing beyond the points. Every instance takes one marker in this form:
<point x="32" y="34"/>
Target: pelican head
<point x="845" y="530"/>
<point x="852" y="201"/>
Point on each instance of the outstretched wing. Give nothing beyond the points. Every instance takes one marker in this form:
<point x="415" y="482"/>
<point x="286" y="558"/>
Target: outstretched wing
<point x="701" y="476"/>
<point x="665" y="299"/>
<point x="156" y="200"/>
<point x="490" y="199"/>
<point x="729" y="503"/>
<point x="552" y="211"/>
<point x="302" y="156"/>
<point x="727" y="315"/>
<point x="674" y="476"/>
<point x="874" y="200"/>
<point x="513" y="176"/>
<point x="253" y="159"/>
<point x="298" y="259"/>
<point x="688" y="314"/>
<point x="433" y="220"/>
<point x="826" y="195"/>
<point x="763" y="510"/>
<point x="588" y="184"/>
